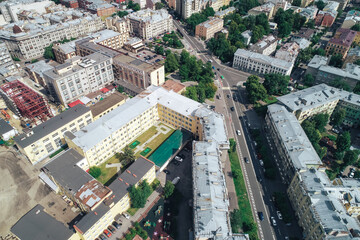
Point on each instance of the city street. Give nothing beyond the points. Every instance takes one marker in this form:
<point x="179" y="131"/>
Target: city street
<point x="242" y="119"/>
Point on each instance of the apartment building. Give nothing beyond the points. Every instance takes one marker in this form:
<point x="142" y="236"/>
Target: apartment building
<point x="149" y="23"/>
<point x="266" y="46"/>
<point x="110" y="38"/>
<point x="268" y="9"/>
<point x="118" y="24"/>
<point x="38" y="224"/>
<point x="107" y="105"/>
<point x="323" y="73"/>
<point x="188" y="7"/>
<point x="320" y="206"/>
<point x="79" y="76"/>
<point x="341" y="42"/>
<point x="7" y="66"/>
<point x="36" y="70"/>
<point x="94" y="222"/>
<point x="295" y="151"/>
<point x="309" y="12"/>
<point x="260" y="64"/>
<point x="10" y="9"/>
<point x="350" y="102"/>
<point x="208" y="29"/>
<point x="27" y="39"/>
<point x="86" y="47"/>
<point x="64" y="51"/>
<point x="40" y="141"/>
<point x="70" y="3"/>
<point x="288" y="52"/>
<point x="138" y="73"/>
<point x="352" y="18"/>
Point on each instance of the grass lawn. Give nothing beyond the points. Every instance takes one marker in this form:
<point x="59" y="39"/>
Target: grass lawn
<point x="155" y="143"/>
<point x="242" y="196"/>
<point x="132" y="211"/>
<point x="107" y="173"/>
<point x="270" y="100"/>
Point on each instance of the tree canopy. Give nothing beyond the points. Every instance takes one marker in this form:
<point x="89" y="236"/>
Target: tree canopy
<point x="356" y="27"/>
<point x="95" y="172"/>
<point x="159" y="50"/>
<point x="127" y="156"/>
<point x="288" y="21"/>
<point x="336" y="60"/>
<point x="168" y="189"/>
<point x="256" y="91"/>
<point x="133" y="6"/>
<point x="351" y="157"/>
<point x="171" y="64"/>
<point x="139" y="195"/>
<point x="314" y="135"/>
<point x="320" y="121"/>
<point x="48" y="53"/>
<point x="320" y="4"/>
<point x="357" y="88"/>
<point x="276" y="83"/>
<point x="343" y="142"/>
<point x="197" y="18"/>
<point x="338" y="117"/>
<point x="338" y="83"/>
<point x="309" y="80"/>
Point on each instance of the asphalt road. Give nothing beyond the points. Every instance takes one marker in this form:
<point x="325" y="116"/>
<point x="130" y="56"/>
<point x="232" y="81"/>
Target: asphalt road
<point x="259" y="194"/>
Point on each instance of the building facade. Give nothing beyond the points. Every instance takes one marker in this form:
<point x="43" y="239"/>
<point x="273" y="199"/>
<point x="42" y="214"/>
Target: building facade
<point x="208" y="29"/>
<point x="266" y="46"/>
<point x="79" y="76"/>
<point x="149" y="23"/>
<point x="36" y="70"/>
<point x="64" y="51"/>
<point x="261" y="64"/>
<point x="7" y="66"/>
<point x="44" y="139"/>
<point x="341" y="42"/>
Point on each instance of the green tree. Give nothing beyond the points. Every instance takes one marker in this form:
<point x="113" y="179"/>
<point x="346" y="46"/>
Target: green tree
<point x="357" y="62"/>
<point x="16" y="59"/>
<point x="133" y="6"/>
<point x="338" y="83"/>
<point x="137" y="198"/>
<point x="168" y="189"/>
<point x="320" y="4"/>
<point x="120" y="89"/>
<point x="312" y="133"/>
<point x="48" y="53"/>
<point x="159" y="50"/>
<point x="248" y="227"/>
<point x="191" y="93"/>
<point x="338" y="117"/>
<point x="235" y="219"/>
<point x="122" y="13"/>
<point x="150" y="45"/>
<point x="275" y="83"/>
<point x="296" y="3"/>
<point x="357" y="88"/>
<point x="171" y="64"/>
<point x="356" y="27"/>
<point x="320" y="121"/>
<point x="309" y="80"/>
<point x="343" y="142"/>
<point x="311" y="24"/>
<point x="351" y="157"/>
<point x="95" y="172"/>
<point x="159" y="5"/>
<point x="127" y="156"/>
<point x="336" y="60"/>
<point x="255" y="89"/>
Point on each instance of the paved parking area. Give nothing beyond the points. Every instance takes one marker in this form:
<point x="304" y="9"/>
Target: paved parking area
<point x="145" y="54"/>
<point x="21" y="190"/>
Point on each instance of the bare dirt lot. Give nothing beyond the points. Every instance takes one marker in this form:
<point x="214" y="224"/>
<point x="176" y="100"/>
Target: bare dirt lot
<point x="21" y="190"/>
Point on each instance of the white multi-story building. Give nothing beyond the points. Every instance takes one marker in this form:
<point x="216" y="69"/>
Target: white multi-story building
<point x="266" y="46"/>
<point x="188" y="7"/>
<point x="261" y="64"/>
<point x="7" y="66"/>
<point x="27" y="39"/>
<point x="149" y="23"/>
<point x="79" y="76"/>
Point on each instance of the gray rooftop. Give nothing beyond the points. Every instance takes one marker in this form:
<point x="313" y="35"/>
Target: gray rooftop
<point x="297" y="144"/>
<point x="261" y="58"/>
<point x="4" y="127"/>
<point x="149" y="15"/>
<point x="66" y="172"/>
<point x="39" y="67"/>
<point x="120" y="188"/>
<point x="210" y="196"/>
<point x="51" y="125"/>
<point x="37" y="224"/>
<point x="102" y="128"/>
<point x="310" y="97"/>
<point x="103" y="35"/>
<point x="91" y="46"/>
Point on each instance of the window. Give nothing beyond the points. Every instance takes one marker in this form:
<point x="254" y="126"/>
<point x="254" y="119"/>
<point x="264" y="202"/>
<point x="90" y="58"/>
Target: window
<point x="82" y="125"/>
<point x="63" y="130"/>
<point x="45" y="140"/>
<point x="80" y="120"/>
<point x="54" y="135"/>
<point x="49" y="147"/>
<point x="58" y="142"/>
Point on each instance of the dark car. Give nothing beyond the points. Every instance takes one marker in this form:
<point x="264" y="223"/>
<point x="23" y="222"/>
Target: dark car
<point x="166" y="171"/>
<point x="102" y="237"/>
<point x="111" y="229"/>
<point x="157" y="60"/>
<point x="232" y="109"/>
<point x="246" y="160"/>
<point x="261" y="216"/>
<point x="228" y="96"/>
<point x="116" y="225"/>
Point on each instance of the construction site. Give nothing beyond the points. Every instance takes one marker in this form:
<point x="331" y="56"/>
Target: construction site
<point x="27" y="106"/>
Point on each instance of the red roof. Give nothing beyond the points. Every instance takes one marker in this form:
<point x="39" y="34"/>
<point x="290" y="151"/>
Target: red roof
<point x="73" y="104"/>
<point x="104" y="90"/>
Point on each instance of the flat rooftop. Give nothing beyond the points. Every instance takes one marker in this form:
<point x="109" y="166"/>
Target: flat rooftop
<point x="136" y="63"/>
<point x="107" y="103"/>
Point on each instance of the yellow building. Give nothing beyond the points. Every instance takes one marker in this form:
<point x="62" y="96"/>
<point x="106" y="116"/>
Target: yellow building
<point x="112" y="132"/>
<point x="105" y="106"/>
<point x="208" y="29"/>
<point x="41" y="141"/>
<point x="96" y="221"/>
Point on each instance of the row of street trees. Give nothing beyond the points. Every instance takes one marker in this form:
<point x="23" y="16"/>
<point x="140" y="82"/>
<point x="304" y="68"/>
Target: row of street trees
<point x="197" y="18"/>
<point x="288" y="21"/>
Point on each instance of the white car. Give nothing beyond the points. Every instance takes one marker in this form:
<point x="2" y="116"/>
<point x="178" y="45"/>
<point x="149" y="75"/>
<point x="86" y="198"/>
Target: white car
<point x="127" y="216"/>
<point x="273" y="221"/>
<point x="261" y="162"/>
<point x="175" y="180"/>
<point x="238" y="132"/>
<point x="179" y="159"/>
<point x="279" y="215"/>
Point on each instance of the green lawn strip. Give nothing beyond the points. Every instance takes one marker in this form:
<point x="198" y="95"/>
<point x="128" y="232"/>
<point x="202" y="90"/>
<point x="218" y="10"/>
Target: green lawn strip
<point x="107" y="173"/>
<point x="132" y="211"/>
<point x="241" y="192"/>
<point x="145" y="152"/>
<point x="147" y="134"/>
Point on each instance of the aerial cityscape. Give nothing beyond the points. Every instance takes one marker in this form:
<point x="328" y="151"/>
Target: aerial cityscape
<point x="180" y="119"/>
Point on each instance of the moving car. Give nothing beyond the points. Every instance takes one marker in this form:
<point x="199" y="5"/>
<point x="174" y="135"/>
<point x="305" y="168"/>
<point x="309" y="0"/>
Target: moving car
<point x="246" y="160"/>
<point x="232" y="109"/>
<point x="238" y="132"/>
<point x="261" y="216"/>
<point x="261" y="162"/>
<point x="279" y="215"/>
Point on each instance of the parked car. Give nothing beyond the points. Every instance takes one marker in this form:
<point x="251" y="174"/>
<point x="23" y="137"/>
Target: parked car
<point x="238" y="132"/>
<point x="102" y="237"/>
<point x="261" y="162"/>
<point x="127" y="216"/>
<point x="157" y="60"/>
<point x="279" y="215"/>
<point x="107" y="233"/>
<point x="179" y="159"/>
<point x="175" y="180"/>
<point x="228" y="96"/>
<point x="261" y="216"/>
<point x="246" y="160"/>
<point x="111" y="229"/>
<point x="116" y="225"/>
<point x="273" y="221"/>
<point x="232" y="109"/>
<point x="166" y="171"/>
